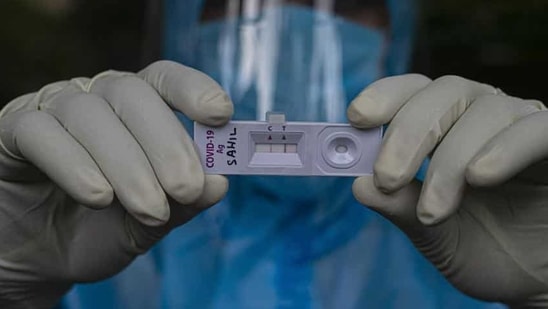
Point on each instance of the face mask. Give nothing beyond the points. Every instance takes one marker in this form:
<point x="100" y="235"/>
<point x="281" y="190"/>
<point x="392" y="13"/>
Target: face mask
<point x="308" y="64"/>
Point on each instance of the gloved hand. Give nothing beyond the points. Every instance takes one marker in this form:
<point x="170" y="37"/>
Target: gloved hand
<point x="481" y="214"/>
<point x="94" y="171"/>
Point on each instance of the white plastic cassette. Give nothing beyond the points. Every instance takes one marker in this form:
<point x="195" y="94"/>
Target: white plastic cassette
<point x="277" y="147"/>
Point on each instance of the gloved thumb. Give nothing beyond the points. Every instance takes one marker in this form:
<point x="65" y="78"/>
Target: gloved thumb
<point x="215" y="188"/>
<point x="400" y="208"/>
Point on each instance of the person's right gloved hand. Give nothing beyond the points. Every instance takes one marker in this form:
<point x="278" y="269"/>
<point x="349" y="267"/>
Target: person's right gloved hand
<point x="94" y="171"/>
<point x="481" y="214"/>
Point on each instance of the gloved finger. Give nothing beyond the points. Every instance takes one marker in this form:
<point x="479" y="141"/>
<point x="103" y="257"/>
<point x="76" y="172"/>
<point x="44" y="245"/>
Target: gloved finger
<point x="168" y="147"/>
<point x="31" y="101"/>
<point x="379" y="102"/>
<point x="91" y="121"/>
<point x="215" y="188"/>
<point x="511" y="151"/>
<point x="39" y="138"/>
<point x="190" y="91"/>
<point x="420" y="125"/>
<point x="445" y="180"/>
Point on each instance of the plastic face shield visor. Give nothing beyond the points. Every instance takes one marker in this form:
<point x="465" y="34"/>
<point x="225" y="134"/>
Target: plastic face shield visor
<point x="307" y="59"/>
<point x="370" y="13"/>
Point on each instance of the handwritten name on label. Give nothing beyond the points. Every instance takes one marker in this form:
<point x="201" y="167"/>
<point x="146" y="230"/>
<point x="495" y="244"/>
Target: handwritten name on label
<point x="231" y="147"/>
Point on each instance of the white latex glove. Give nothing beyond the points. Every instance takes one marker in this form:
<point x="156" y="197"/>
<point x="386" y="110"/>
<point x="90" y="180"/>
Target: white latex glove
<point x="481" y="215"/>
<point x="94" y="171"/>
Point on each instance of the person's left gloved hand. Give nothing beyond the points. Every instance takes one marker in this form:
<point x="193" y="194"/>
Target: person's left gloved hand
<point x="481" y="215"/>
<point x="93" y="172"/>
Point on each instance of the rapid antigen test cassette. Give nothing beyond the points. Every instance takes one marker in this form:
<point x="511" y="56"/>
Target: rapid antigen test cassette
<point x="277" y="147"/>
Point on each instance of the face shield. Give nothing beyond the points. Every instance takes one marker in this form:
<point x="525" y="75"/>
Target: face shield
<point x="302" y="60"/>
<point x="305" y="58"/>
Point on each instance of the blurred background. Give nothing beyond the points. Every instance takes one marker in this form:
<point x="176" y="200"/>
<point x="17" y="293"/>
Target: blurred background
<point x="500" y="42"/>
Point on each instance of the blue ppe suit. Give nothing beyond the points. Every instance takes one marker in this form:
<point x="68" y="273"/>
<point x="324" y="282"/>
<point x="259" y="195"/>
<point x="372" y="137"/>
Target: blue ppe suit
<point x="278" y="242"/>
